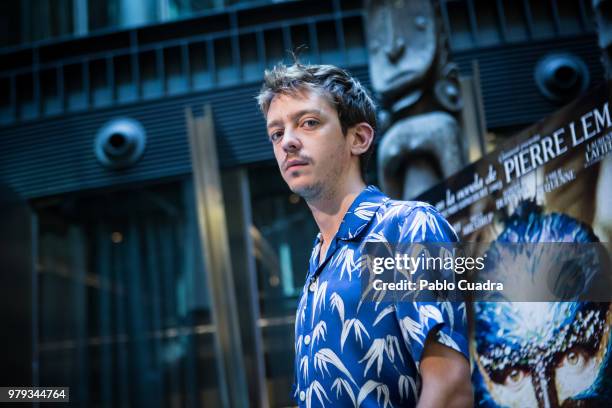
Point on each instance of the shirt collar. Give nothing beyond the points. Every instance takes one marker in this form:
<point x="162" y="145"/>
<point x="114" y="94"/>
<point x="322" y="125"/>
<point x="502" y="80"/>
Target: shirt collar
<point x="359" y="214"/>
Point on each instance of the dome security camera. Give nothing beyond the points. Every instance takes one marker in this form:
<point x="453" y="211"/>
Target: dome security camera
<point x="120" y="143"/>
<point x="561" y="77"/>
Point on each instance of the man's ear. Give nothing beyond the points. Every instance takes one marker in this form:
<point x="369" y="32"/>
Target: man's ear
<point x="363" y="136"/>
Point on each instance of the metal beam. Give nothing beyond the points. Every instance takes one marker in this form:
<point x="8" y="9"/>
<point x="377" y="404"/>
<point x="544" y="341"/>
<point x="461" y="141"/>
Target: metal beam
<point x="214" y="240"/>
<point x="237" y="195"/>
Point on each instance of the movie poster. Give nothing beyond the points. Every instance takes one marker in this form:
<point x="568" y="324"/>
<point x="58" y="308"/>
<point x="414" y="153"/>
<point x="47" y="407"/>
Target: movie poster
<point x="550" y="183"/>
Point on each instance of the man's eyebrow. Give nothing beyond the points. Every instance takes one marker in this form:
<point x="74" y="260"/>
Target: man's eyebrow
<point x="294" y="117"/>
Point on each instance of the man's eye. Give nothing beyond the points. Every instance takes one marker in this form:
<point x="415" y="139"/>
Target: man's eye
<point x="309" y="123"/>
<point x="275" y="136"/>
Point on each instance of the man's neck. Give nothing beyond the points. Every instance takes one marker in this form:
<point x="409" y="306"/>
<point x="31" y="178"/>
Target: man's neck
<point x="329" y="210"/>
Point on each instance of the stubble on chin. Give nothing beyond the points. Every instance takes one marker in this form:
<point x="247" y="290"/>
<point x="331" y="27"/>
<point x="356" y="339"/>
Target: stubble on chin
<point x="310" y="193"/>
<point x="321" y="190"/>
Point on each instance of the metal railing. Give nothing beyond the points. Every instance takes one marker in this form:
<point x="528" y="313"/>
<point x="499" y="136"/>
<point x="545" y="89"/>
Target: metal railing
<point x="232" y="48"/>
<point x="144" y="70"/>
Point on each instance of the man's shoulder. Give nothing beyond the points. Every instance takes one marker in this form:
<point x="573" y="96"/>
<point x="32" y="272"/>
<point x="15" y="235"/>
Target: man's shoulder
<point x="404" y="209"/>
<point x="414" y="219"/>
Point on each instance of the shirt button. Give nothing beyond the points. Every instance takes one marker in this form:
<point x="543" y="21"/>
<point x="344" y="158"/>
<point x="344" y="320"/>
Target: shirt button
<point x="307" y="340"/>
<point x="313" y="286"/>
<point x="302" y="395"/>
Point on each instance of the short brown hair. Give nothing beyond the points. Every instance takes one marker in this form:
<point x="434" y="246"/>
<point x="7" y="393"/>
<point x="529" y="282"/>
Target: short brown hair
<point x="351" y="99"/>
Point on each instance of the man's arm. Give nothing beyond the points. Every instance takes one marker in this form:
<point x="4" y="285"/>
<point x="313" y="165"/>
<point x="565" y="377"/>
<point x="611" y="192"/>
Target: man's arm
<point x="445" y="375"/>
<point x="445" y="371"/>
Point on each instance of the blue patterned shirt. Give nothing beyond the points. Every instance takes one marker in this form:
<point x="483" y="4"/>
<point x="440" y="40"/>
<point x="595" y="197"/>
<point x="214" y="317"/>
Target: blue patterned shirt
<point x="362" y="354"/>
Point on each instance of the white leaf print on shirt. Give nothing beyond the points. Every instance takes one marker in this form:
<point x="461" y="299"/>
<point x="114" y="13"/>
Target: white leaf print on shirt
<point x="376" y="297"/>
<point x="377" y="237"/>
<point x="301" y="310"/>
<point x="430" y="312"/>
<point x="317" y="388"/>
<point x="341" y="383"/>
<point x="378" y="349"/>
<point x="298" y="345"/>
<point x="339" y="256"/>
<point x="374" y="353"/>
<point x="357" y="327"/>
<point x="406" y="381"/>
<point x="345" y="261"/>
<point x="315" y="251"/>
<point x="393" y="210"/>
<point x="448" y="341"/>
<point x="448" y="308"/>
<point x="464" y="315"/>
<point x="414" y="329"/>
<point x="420" y="222"/>
<point x="337" y="303"/>
<point x="379" y="216"/>
<point x="324" y="356"/>
<point x="319" y="298"/>
<point x="319" y="331"/>
<point x="349" y="265"/>
<point x="383" y="313"/>
<point x="365" y="210"/>
<point x="381" y="389"/>
<point x="304" y="367"/>
<point x="391" y="347"/>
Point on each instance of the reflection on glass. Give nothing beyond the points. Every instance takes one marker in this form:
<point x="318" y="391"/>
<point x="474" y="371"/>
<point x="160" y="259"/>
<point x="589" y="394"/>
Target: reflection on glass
<point x="123" y="304"/>
<point x="26" y="21"/>
<point x="283" y="234"/>
<point x="122" y="13"/>
<point x="184" y="8"/>
<point x="31" y="20"/>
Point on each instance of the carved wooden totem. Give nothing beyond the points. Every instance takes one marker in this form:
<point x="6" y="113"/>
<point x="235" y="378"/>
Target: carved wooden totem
<point x="418" y="89"/>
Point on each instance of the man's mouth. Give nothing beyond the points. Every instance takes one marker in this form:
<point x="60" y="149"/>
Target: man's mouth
<point x="295" y="164"/>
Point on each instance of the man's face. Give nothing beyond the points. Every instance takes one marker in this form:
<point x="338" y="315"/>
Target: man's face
<point x="312" y="153"/>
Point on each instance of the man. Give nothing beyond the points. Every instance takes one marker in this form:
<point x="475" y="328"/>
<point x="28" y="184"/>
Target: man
<point x="321" y="123"/>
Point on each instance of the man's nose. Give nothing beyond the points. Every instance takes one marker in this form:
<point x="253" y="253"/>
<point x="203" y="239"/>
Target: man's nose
<point x="291" y="142"/>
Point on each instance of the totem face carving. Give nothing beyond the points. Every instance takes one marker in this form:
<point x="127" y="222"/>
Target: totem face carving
<point x="409" y="141"/>
<point x="402" y="44"/>
<point x="414" y="83"/>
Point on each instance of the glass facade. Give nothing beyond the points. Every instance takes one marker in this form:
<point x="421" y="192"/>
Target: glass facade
<point x="124" y="315"/>
<point x="26" y="21"/>
<point x="123" y="312"/>
<point x="117" y="316"/>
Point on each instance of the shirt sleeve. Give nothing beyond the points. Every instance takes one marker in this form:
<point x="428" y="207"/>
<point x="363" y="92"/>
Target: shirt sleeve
<point x="445" y="320"/>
